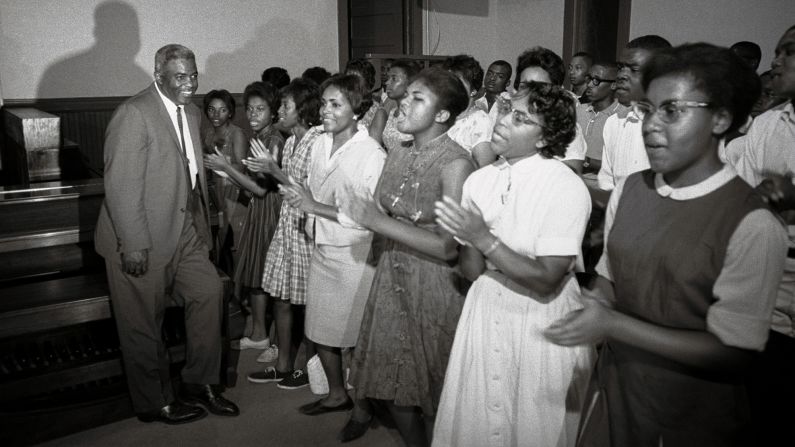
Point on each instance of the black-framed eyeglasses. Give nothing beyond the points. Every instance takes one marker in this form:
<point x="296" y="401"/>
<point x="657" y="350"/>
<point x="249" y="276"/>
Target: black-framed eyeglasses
<point x="669" y="111"/>
<point x="593" y="80"/>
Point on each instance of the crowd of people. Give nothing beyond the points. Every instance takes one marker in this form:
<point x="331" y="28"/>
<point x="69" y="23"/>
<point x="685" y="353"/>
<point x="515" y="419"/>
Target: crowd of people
<point x="494" y="263"/>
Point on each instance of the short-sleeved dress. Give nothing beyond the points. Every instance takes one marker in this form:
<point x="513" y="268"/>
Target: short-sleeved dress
<point x="287" y="260"/>
<point x="506" y="384"/>
<point x="342" y="267"/>
<point x="471" y="128"/>
<point x="261" y="220"/>
<point x="391" y="136"/>
<point x="411" y="314"/>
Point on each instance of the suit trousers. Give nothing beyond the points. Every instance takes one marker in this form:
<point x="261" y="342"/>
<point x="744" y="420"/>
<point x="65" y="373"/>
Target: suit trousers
<point x="139" y="306"/>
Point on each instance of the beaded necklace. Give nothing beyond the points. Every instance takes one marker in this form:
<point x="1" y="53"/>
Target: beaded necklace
<point x="409" y="175"/>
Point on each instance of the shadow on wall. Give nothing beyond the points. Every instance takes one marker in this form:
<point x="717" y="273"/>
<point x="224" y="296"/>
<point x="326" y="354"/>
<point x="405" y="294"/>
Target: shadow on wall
<point x="276" y="43"/>
<point x="108" y="66"/>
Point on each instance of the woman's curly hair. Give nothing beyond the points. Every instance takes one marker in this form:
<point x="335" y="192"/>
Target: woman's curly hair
<point x="306" y="96"/>
<point x="557" y="108"/>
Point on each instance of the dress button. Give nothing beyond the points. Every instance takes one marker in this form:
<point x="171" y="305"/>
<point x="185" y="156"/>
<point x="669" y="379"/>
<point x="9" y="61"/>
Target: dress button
<point x="182" y="210"/>
<point x="402" y="337"/>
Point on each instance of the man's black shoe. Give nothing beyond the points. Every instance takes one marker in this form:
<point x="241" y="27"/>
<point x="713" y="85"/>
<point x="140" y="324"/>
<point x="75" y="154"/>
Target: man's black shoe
<point x="208" y="398"/>
<point x="173" y="414"/>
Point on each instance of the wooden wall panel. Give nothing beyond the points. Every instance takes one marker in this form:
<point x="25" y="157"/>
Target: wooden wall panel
<point x="84" y="120"/>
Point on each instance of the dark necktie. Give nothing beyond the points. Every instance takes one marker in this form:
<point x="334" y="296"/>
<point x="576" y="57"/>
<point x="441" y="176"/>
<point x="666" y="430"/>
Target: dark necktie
<point x="181" y="134"/>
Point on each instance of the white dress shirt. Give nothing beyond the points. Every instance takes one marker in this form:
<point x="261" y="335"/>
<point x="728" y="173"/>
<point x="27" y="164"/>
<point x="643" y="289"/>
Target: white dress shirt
<point x="189" y="151"/>
<point x="624" y="152"/>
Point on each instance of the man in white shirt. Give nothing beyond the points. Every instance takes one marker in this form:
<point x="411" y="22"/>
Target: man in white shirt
<point x="624" y="152"/>
<point x="494" y="83"/>
<point x="767" y="161"/>
<point x="153" y="231"/>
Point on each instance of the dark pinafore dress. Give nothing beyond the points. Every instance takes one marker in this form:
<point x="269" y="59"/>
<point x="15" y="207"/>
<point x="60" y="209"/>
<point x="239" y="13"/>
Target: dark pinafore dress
<point x="665" y="257"/>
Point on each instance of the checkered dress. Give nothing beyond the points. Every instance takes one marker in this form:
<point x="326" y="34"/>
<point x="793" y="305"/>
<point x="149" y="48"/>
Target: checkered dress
<point x="287" y="261"/>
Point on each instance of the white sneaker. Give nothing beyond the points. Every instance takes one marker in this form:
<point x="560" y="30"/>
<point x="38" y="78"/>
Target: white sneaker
<point x="269" y="355"/>
<point x="247" y="343"/>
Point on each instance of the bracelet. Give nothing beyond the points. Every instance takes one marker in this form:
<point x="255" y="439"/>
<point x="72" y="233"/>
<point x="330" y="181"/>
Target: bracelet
<point x="492" y="247"/>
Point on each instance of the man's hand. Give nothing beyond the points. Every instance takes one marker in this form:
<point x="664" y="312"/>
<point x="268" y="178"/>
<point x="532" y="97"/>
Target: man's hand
<point x="135" y="263"/>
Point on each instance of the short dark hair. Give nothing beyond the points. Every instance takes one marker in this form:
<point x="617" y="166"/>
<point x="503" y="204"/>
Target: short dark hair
<point x="557" y="108"/>
<point x="364" y="67"/>
<point x="610" y="65"/>
<point x="171" y="52"/>
<point x="543" y="58"/>
<point x="277" y="76"/>
<point x="468" y="67"/>
<point x="410" y="67"/>
<point x="224" y="96"/>
<point x="268" y="93"/>
<point x="449" y="90"/>
<point x="503" y="63"/>
<point x="316" y="74"/>
<point x="719" y="73"/>
<point x="649" y="42"/>
<point x="355" y="90"/>
<point x="585" y="55"/>
<point x="306" y="95"/>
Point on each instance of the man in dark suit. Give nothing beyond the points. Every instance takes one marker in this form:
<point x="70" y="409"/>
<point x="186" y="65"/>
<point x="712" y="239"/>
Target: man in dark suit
<point x="153" y="232"/>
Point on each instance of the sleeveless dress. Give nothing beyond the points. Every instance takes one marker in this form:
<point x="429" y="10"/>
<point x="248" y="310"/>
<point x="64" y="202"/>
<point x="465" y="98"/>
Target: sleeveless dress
<point x="391" y="136"/>
<point x="412" y="311"/>
<point x="287" y="261"/>
<point x="261" y="220"/>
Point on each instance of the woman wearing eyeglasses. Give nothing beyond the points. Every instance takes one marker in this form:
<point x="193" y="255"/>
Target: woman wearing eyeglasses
<point x="522" y="220"/>
<point x="687" y="280"/>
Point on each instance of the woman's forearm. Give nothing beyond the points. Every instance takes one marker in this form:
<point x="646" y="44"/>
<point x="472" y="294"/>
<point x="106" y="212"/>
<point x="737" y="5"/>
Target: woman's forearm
<point x="700" y="349"/>
<point x="425" y="241"/>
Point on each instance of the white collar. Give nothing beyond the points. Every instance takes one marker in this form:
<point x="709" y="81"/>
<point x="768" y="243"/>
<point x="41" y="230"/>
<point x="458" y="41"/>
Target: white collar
<point x="700" y="189"/>
<point x="170" y="105"/>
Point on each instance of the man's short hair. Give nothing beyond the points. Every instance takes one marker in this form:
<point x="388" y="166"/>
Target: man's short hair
<point x="585" y="55"/>
<point x="277" y="76"/>
<point x="610" y="65"/>
<point x="505" y="64"/>
<point x="171" y="52"/>
<point x="650" y="42"/>
<point x="745" y="48"/>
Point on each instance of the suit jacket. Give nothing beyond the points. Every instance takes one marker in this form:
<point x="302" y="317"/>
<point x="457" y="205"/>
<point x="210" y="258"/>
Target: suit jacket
<point x="146" y="180"/>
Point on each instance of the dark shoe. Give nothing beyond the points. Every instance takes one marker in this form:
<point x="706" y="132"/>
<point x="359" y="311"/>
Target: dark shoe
<point x="354" y="430"/>
<point x="210" y="399"/>
<point x="270" y="374"/>
<point x="317" y="407"/>
<point x="298" y="379"/>
<point x="173" y="414"/>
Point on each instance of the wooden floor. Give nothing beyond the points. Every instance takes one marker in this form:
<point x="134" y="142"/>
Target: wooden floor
<point x="269" y="417"/>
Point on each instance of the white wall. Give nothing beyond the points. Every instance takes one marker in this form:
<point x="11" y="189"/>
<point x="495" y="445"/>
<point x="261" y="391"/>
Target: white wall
<point x="58" y="48"/>
<point x="492" y="29"/>
<point x="721" y="22"/>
